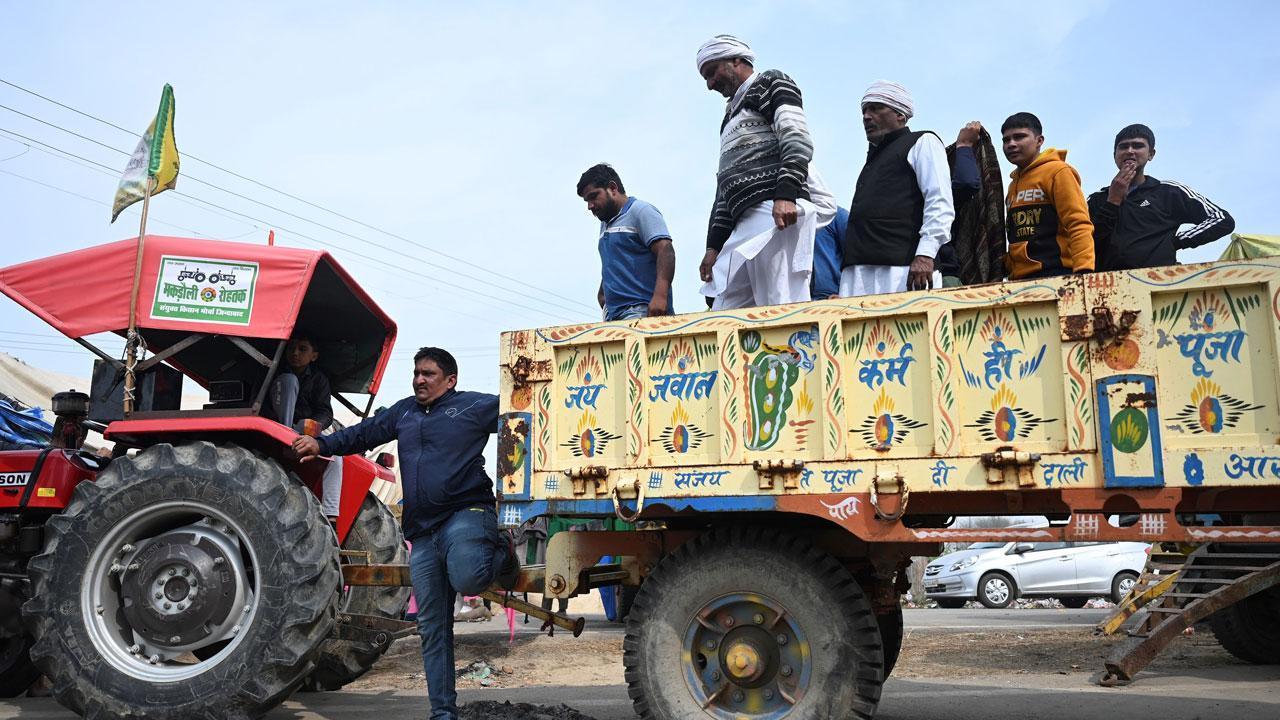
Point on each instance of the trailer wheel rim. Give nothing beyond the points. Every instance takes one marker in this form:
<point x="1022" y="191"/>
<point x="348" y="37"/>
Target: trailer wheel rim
<point x="209" y="608"/>
<point x="744" y="655"/>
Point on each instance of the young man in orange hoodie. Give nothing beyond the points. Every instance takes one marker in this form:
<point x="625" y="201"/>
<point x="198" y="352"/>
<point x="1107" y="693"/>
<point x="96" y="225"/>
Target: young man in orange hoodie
<point x="1048" y="221"/>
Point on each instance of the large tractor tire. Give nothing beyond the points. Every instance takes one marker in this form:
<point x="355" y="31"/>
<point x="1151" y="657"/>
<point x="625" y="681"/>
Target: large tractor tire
<point x="187" y="583"/>
<point x="376" y="532"/>
<point x="1250" y="629"/>
<point x="890" y="638"/>
<point x="17" y="672"/>
<point x="752" y="623"/>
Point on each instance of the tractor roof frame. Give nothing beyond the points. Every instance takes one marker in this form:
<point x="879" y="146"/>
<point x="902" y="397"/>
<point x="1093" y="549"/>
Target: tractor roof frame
<point x="206" y="305"/>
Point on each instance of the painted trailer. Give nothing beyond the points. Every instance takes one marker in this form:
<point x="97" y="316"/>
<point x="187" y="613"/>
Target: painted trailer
<point x="783" y="464"/>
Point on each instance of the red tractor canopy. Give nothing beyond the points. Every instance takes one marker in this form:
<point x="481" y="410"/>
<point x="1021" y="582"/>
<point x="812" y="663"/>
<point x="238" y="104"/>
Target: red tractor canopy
<point x="204" y="306"/>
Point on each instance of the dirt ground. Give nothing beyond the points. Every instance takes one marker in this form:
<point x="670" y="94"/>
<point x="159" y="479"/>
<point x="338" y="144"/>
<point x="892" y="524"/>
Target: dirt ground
<point x="935" y="655"/>
<point x="597" y="660"/>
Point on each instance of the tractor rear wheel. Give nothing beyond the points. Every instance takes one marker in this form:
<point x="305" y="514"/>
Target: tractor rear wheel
<point x="752" y="623"/>
<point x="376" y="532"/>
<point x="17" y="672"/>
<point x="187" y="582"/>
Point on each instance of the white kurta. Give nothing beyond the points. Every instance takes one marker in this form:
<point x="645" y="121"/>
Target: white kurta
<point x="762" y="265"/>
<point x="933" y="176"/>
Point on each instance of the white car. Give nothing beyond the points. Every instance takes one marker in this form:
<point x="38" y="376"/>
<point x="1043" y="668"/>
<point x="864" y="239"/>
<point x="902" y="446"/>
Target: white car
<point x="995" y="574"/>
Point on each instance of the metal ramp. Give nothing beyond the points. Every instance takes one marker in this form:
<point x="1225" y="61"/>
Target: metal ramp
<point x="1177" y="590"/>
<point x="1163" y="565"/>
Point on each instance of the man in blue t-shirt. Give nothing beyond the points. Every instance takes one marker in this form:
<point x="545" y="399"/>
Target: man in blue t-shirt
<point x="637" y="261"/>
<point x="828" y="257"/>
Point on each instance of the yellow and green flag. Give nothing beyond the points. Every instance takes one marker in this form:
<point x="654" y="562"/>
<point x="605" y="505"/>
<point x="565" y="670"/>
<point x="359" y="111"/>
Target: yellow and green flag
<point x="155" y="160"/>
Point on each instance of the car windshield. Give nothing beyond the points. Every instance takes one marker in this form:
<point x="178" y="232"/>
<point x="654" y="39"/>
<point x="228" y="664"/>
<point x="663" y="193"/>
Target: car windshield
<point x="985" y="546"/>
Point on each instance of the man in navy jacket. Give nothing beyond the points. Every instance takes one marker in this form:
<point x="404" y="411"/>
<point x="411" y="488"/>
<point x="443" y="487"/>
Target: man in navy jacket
<point x="449" y="506"/>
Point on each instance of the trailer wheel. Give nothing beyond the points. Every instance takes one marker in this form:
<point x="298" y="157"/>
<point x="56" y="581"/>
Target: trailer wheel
<point x="189" y="582"/>
<point x="17" y="672"/>
<point x="891" y="638"/>
<point x="341" y="661"/>
<point x="1250" y="629"/>
<point x="752" y="623"/>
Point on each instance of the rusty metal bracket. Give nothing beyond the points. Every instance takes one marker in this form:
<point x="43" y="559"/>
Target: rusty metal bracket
<point x="571" y="554"/>
<point x="789" y="469"/>
<point x="380" y="575"/>
<point x="356" y="557"/>
<point x="371" y="628"/>
<point x="903" y="492"/>
<point x="583" y="476"/>
<point x="1007" y="463"/>
<point x="550" y="620"/>
<point x="1099" y="325"/>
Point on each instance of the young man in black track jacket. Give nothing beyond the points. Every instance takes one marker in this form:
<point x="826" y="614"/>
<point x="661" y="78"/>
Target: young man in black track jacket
<point x="1136" y="219"/>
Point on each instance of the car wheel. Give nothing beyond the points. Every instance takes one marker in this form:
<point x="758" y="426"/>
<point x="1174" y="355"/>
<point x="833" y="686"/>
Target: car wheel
<point x="996" y="590"/>
<point x="951" y="603"/>
<point x="1075" y="603"/>
<point x="1121" y="585"/>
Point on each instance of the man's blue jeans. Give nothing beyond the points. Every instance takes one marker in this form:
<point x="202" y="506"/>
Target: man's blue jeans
<point x="461" y="556"/>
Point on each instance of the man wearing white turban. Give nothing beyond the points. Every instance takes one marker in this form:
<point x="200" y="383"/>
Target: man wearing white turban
<point x="902" y="206"/>
<point x="769" y="200"/>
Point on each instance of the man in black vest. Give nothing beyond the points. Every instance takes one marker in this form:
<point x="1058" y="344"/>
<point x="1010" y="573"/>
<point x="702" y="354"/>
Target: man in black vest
<point x="902" y="208"/>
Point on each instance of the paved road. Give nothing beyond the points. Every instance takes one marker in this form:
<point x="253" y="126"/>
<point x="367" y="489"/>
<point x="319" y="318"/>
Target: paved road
<point x="1235" y="692"/>
<point x="1238" y="693"/>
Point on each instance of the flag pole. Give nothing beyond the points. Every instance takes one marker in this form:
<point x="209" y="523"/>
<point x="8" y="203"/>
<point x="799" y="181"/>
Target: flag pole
<point x="132" y="340"/>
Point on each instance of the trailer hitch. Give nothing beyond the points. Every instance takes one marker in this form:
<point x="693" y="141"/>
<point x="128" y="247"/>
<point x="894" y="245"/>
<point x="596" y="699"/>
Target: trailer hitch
<point x="903" y="492"/>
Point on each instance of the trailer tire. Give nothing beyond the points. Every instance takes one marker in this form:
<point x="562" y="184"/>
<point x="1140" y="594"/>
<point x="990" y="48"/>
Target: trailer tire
<point x="1250" y="629"/>
<point x="891" y="638"/>
<point x="793" y="620"/>
<point x="17" y="672"/>
<point x="341" y="661"/>
<point x="247" y="631"/>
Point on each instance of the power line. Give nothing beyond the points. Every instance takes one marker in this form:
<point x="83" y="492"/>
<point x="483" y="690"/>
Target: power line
<point x="266" y="205"/>
<point x="101" y="167"/>
<point x="95" y="201"/>
<point x="374" y="263"/>
<point x="299" y="199"/>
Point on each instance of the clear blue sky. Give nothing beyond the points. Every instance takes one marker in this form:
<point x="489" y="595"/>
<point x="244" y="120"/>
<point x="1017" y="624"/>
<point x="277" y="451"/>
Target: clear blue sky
<point x="464" y="126"/>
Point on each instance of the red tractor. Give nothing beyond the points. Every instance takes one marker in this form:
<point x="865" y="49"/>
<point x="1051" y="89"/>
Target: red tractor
<point x="192" y="574"/>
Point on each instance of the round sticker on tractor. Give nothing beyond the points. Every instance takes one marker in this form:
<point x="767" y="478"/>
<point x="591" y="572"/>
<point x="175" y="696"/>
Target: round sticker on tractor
<point x="1129" y="430"/>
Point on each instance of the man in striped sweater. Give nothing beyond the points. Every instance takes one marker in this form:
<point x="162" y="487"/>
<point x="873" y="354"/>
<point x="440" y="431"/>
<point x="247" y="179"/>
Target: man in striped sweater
<point x="769" y="201"/>
<point x="1136" y="219"/>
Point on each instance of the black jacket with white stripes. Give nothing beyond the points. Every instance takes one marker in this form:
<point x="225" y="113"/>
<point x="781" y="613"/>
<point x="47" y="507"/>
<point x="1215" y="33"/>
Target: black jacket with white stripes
<point x="1143" y="230"/>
